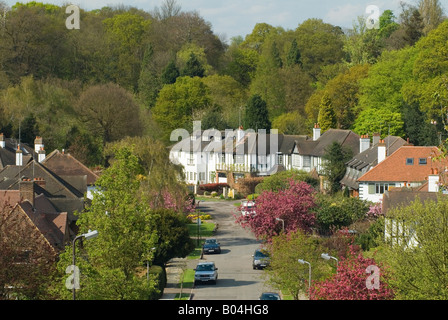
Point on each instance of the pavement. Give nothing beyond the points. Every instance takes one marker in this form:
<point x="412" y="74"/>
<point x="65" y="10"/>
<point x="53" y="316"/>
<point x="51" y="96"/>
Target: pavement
<point x="174" y="270"/>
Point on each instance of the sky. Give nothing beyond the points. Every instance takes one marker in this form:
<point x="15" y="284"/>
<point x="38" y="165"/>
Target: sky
<point x="232" y="18"/>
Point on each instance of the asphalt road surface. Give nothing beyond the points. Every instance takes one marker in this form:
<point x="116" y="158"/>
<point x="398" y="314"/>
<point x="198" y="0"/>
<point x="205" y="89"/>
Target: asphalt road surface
<point x="236" y="278"/>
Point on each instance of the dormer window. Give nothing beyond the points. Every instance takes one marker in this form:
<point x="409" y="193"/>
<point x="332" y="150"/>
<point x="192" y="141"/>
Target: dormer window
<point x="409" y="161"/>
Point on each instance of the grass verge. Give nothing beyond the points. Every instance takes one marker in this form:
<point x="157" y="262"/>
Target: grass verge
<point x="188" y="282"/>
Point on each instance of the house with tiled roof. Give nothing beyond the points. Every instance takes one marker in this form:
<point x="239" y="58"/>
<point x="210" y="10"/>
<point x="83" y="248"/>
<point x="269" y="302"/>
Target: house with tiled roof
<point x="409" y="166"/>
<point x="372" y="151"/>
<point x="13" y="152"/>
<point x="308" y="154"/>
<point x="35" y="213"/>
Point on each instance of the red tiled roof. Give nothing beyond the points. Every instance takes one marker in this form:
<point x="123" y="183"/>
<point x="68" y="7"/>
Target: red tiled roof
<point x="394" y="167"/>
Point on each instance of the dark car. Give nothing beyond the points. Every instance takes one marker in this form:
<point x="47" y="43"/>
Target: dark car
<point x="260" y="259"/>
<point x="211" y="246"/>
<point x="270" y="296"/>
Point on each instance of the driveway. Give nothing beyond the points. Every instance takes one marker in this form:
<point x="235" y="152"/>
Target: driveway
<point x="236" y="278"/>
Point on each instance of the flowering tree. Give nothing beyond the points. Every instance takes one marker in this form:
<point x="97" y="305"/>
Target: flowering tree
<point x="375" y="211"/>
<point x="292" y="205"/>
<point x="354" y="280"/>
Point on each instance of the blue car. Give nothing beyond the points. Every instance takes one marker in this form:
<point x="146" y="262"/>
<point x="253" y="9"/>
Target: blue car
<point x="211" y="246"/>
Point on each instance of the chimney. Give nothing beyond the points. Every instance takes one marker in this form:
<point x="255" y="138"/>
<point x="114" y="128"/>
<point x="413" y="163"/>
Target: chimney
<point x="381" y="151"/>
<point x="364" y="143"/>
<point x="19" y="156"/>
<point x="433" y="180"/>
<point x="240" y="133"/>
<point x="26" y="188"/>
<point x="376" y="138"/>
<point x="38" y="144"/>
<point x="316" y="132"/>
<point x="2" y="141"/>
<point x="41" y="155"/>
<point x="40" y="182"/>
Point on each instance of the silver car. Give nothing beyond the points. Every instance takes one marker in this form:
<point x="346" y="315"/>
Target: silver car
<point x="206" y="272"/>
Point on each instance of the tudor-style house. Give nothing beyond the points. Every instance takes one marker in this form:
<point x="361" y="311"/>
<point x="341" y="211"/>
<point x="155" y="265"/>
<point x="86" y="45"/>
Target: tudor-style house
<point x="210" y="156"/>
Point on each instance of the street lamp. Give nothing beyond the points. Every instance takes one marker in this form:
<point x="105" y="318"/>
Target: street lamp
<point x="89" y="235"/>
<point x="283" y="223"/>
<point x="326" y="256"/>
<point x="309" y="271"/>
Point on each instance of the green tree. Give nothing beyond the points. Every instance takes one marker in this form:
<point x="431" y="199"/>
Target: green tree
<point x="193" y="67"/>
<point x="333" y="163"/>
<point x="327" y="116"/>
<point x="110" y="264"/>
<point x="149" y="82"/>
<point x="126" y="35"/>
<point x="294" y="54"/>
<point x="173" y="235"/>
<point x="285" y="273"/>
<point x="170" y="74"/>
<point x="256" y="116"/>
<point x="290" y="123"/>
<point x="110" y="112"/>
<point x="280" y="180"/>
<point x="417" y="255"/>
<point x="177" y="104"/>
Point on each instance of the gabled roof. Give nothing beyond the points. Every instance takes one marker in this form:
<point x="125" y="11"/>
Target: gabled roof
<point x="64" y="165"/>
<point x="8" y="153"/>
<point x="54" y="184"/>
<point x="395" y="169"/>
<point x="51" y="224"/>
<point x="369" y="157"/>
<point x="317" y="148"/>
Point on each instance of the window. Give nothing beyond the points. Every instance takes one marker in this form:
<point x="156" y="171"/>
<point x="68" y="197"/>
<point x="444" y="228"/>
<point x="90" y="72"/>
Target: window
<point x="239" y="159"/>
<point x="190" y="160"/>
<point x="381" y="187"/>
<point x="307" y="161"/>
<point x="409" y="161"/>
<point x="422" y="161"/>
<point x="280" y="159"/>
<point x="295" y="160"/>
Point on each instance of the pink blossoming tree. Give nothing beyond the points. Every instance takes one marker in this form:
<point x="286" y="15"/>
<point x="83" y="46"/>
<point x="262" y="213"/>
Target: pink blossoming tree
<point x="357" y="278"/>
<point x="292" y="205"/>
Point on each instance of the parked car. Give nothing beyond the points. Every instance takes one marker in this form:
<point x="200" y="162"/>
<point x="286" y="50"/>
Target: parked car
<point x="206" y="272"/>
<point x="247" y="207"/>
<point x="211" y="246"/>
<point x="270" y="296"/>
<point x="260" y="259"/>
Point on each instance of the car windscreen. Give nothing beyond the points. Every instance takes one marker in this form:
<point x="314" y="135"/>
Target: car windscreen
<point x="205" y="267"/>
<point x="260" y="254"/>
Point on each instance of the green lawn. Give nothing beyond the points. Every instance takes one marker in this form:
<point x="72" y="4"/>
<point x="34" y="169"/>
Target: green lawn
<point x="205" y="231"/>
<point x="188" y="282"/>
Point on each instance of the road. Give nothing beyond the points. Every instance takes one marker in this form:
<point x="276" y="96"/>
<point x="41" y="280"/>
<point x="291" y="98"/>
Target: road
<point x="236" y="278"/>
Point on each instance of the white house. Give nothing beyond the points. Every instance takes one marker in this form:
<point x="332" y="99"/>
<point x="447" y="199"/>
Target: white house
<point x="209" y="156"/>
<point x="408" y="166"/>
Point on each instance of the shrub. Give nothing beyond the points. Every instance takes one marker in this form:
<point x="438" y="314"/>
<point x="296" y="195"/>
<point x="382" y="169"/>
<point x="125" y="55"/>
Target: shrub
<point x="252" y="196"/>
<point x="217" y="187"/>
<point x="160" y="277"/>
<point x="214" y="193"/>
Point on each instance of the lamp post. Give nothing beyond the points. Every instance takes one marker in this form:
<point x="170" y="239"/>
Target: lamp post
<point x="309" y="271"/>
<point x="87" y="236"/>
<point x="326" y="256"/>
<point x="283" y="223"/>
